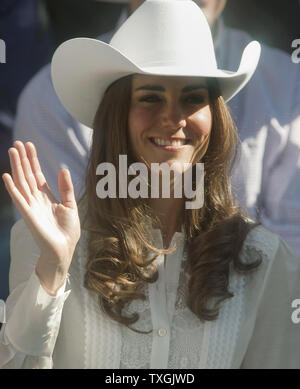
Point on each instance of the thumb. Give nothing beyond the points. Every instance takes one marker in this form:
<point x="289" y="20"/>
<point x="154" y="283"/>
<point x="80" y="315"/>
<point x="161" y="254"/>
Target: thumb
<point x="66" y="189"/>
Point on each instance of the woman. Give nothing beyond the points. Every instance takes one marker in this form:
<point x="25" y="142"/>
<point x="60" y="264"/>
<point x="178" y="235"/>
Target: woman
<point x="151" y="283"/>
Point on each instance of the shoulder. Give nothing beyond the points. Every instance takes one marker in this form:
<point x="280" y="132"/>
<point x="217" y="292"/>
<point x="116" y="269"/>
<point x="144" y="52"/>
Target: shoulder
<point x="260" y="240"/>
<point x="241" y="39"/>
<point x="39" y="85"/>
<point x="275" y="65"/>
<point x="271" y="249"/>
<point x="39" y="95"/>
<point x="39" y="102"/>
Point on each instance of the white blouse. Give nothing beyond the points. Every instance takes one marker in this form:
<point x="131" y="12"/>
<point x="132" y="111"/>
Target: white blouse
<point x="254" y="328"/>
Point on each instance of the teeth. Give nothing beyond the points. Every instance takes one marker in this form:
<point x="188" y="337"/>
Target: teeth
<point x="164" y="142"/>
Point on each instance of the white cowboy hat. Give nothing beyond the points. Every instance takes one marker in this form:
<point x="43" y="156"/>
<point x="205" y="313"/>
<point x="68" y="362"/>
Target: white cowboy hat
<point x="162" y="37"/>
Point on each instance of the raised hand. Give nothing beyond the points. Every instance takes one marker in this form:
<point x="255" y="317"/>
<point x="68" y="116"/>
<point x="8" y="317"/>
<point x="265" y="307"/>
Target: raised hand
<point x="54" y="225"/>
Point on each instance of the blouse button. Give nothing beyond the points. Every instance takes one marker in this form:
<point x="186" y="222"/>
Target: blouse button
<point x="184" y="362"/>
<point x="162" y="332"/>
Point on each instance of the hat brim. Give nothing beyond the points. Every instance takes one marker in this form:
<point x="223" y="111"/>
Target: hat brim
<point x="83" y="68"/>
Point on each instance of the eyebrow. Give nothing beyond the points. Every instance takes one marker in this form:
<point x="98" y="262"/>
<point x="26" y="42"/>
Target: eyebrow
<point x="159" y="88"/>
<point x="190" y="88"/>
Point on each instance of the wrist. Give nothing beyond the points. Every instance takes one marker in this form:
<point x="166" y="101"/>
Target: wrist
<point x="52" y="276"/>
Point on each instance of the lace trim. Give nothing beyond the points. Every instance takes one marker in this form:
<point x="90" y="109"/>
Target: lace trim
<point x="220" y="336"/>
<point x="188" y="328"/>
<point x="102" y="335"/>
<point x="136" y="347"/>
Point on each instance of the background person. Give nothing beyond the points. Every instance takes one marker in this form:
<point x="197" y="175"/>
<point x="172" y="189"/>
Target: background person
<point x="31" y="29"/>
<point x="28" y="47"/>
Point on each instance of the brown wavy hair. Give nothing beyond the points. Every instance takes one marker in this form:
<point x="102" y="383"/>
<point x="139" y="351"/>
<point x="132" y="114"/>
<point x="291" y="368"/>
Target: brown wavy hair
<point x="121" y="250"/>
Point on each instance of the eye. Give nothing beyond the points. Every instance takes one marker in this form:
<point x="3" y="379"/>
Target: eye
<point x="195" y="99"/>
<point x="150" y="98"/>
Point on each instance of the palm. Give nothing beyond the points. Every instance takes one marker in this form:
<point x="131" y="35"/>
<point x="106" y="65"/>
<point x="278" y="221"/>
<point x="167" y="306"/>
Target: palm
<point x="55" y="226"/>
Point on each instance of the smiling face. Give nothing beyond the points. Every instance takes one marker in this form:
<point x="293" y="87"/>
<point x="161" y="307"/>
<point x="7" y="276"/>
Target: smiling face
<point x="170" y="119"/>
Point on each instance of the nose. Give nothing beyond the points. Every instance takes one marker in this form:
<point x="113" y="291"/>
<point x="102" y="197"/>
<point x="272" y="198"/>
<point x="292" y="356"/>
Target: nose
<point x="173" y="115"/>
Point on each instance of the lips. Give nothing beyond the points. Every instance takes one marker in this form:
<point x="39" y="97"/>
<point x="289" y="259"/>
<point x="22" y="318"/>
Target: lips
<point x="171" y="142"/>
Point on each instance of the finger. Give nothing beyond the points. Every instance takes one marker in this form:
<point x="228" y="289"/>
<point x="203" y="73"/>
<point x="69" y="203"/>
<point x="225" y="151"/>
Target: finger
<point x="18" y="174"/>
<point x="37" y="171"/>
<point x="30" y="178"/>
<point x="16" y="196"/>
<point x="21" y="203"/>
<point x="66" y="189"/>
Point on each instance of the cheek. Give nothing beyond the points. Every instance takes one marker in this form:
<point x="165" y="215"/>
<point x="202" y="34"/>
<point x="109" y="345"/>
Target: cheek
<point x="201" y="122"/>
<point x="139" y="120"/>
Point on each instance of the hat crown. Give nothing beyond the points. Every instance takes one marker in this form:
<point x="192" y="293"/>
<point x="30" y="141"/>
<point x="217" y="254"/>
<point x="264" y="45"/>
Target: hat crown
<point x="167" y="33"/>
<point x="162" y="37"/>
